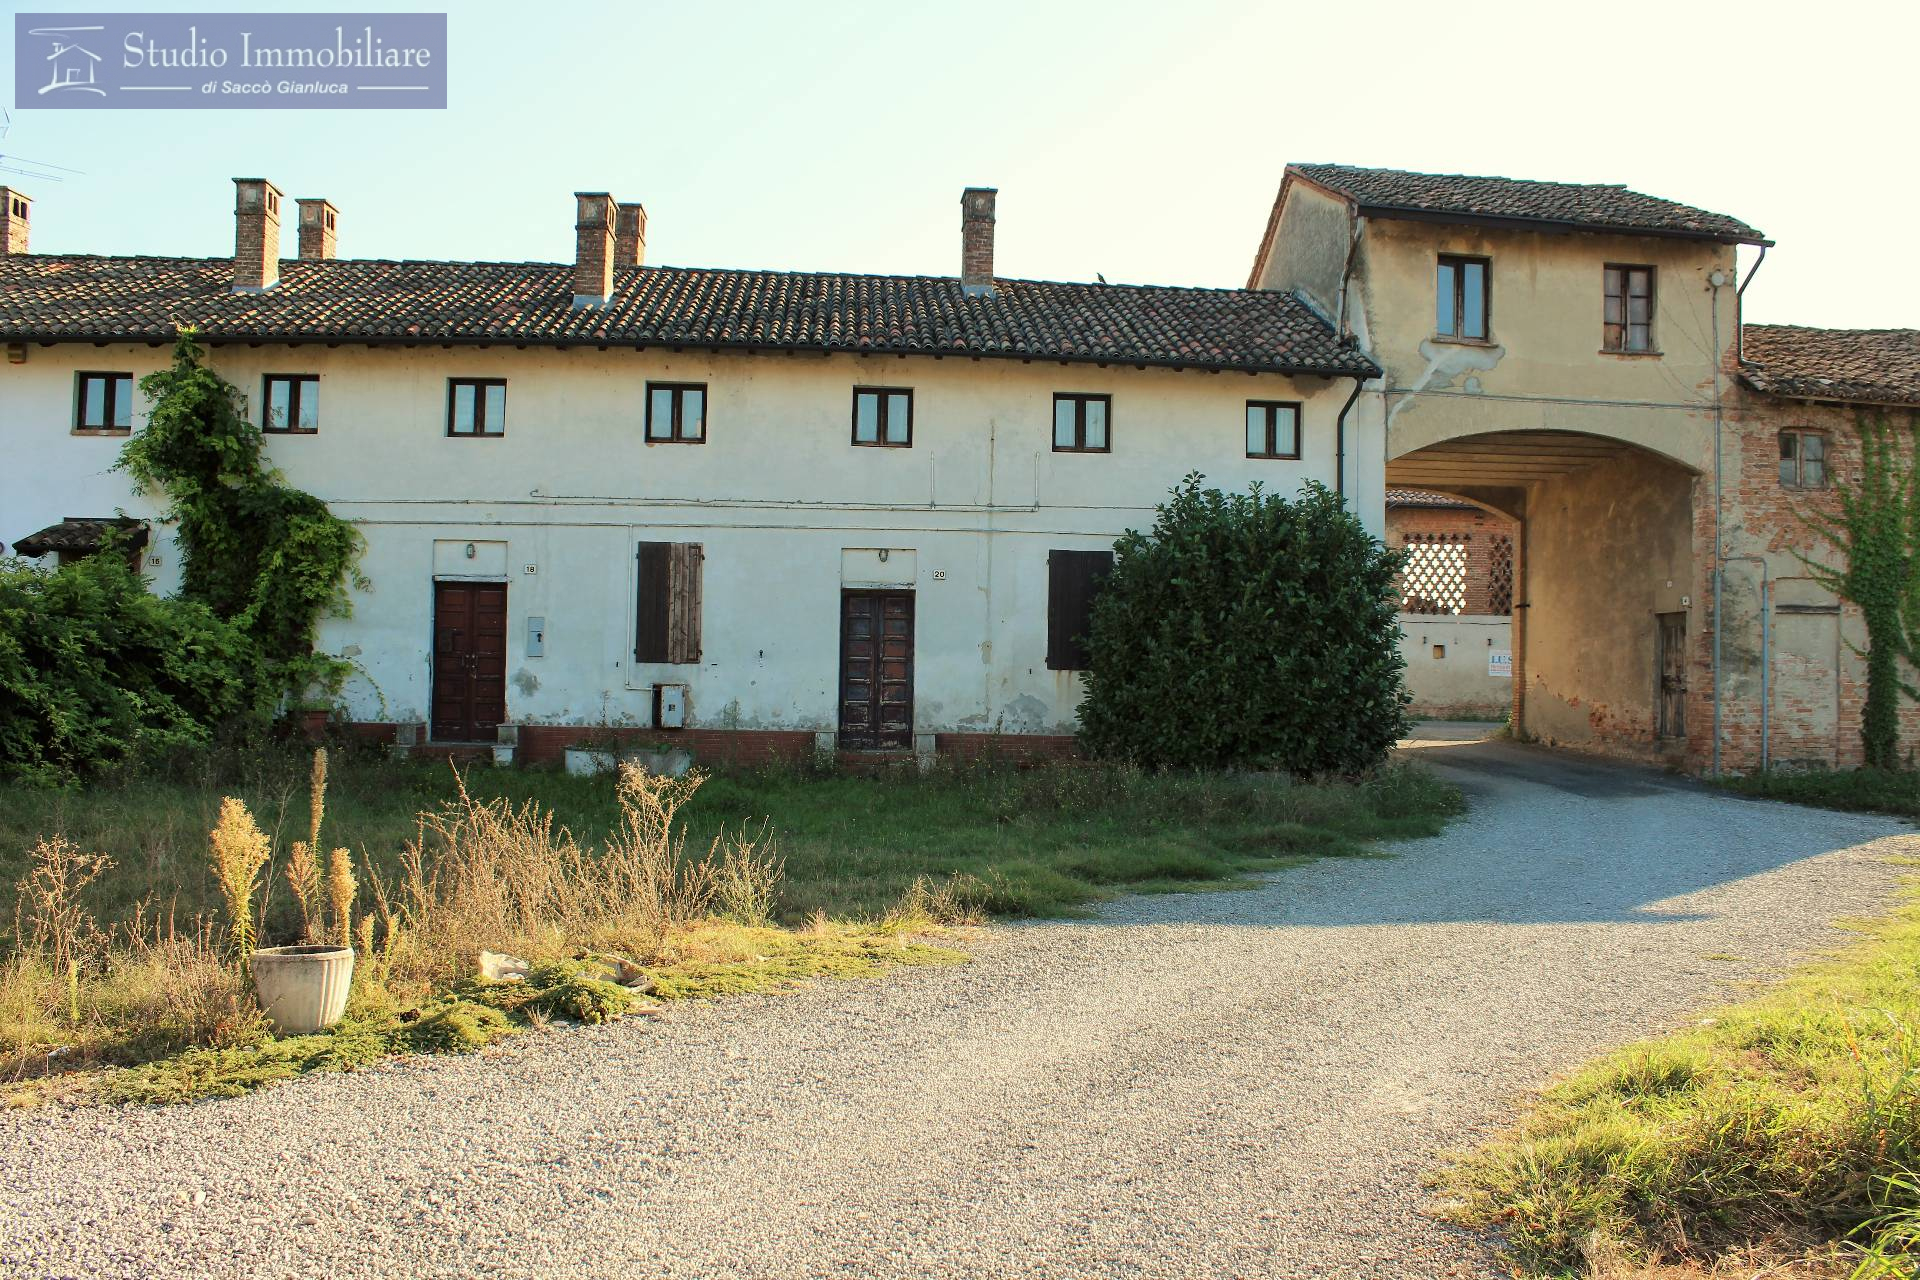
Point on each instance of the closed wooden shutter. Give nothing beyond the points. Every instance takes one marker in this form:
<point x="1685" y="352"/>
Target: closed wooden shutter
<point x="1073" y="582"/>
<point x="668" y="600"/>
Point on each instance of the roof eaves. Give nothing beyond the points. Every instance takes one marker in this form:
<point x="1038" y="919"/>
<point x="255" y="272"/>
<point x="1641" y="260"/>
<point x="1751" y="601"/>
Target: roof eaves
<point x="1552" y="226"/>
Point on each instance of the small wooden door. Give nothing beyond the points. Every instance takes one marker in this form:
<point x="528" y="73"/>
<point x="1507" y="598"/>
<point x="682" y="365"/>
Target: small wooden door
<point x="1670" y="662"/>
<point x="876" y="670"/>
<point x="469" y="660"/>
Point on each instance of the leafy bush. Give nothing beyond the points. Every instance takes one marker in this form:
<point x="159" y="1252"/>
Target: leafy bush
<point x="95" y="670"/>
<point x="1247" y="629"/>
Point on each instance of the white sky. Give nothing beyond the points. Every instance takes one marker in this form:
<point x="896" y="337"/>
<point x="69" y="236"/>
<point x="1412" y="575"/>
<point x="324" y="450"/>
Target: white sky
<point x="1142" y="141"/>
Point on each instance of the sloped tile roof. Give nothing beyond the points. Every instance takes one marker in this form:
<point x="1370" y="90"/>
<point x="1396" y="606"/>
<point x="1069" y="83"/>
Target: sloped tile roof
<point x="1588" y="206"/>
<point x="1426" y="498"/>
<point x="364" y="300"/>
<point x="1871" y="366"/>
<point x="81" y="534"/>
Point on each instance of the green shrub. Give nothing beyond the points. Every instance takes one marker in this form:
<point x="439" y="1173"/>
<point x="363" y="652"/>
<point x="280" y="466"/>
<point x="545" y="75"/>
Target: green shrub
<point x="1247" y="629"/>
<point x="95" y="670"/>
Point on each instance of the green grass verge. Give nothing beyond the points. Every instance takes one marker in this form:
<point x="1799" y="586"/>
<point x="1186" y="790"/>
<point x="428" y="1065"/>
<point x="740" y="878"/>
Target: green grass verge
<point x="1858" y="790"/>
<point x="1790" y="1120"/>
<point x="726" y="960"/>
<point x="1035" y="842"/>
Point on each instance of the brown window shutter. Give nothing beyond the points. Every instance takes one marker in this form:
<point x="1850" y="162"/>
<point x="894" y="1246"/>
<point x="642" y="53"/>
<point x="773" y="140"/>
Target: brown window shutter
<point x="650" y="634"/>
<point x="684" y="604"/>
<point x="1073" y="582"/>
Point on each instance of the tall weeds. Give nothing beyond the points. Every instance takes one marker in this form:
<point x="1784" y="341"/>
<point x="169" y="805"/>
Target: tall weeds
<point x="238" y="849"/>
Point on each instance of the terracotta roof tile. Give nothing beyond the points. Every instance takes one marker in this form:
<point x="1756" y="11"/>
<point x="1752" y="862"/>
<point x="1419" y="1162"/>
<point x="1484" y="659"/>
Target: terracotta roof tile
<point x="1871" y="366"/>
<point x="356" y="300"/>
<point x="1589" y="206"/>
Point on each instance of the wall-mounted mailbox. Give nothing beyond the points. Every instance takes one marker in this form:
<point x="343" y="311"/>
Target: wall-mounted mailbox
<point x="536" y="637"/>
<point x="670" y="706"/>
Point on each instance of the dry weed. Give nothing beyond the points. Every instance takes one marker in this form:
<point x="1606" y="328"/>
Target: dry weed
<point x="49" y="919"/>
<point x="238" y="849"/>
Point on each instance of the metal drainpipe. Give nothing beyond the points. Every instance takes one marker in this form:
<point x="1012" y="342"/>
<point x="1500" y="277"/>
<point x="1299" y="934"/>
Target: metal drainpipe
<point x="1718" y="424"/>
<point x="1766" y="664"/>
<point x="1739" y="309"/>
<point x="1340" y="440"/>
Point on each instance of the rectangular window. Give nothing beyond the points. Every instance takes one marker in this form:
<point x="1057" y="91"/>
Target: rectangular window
<point x="883" y="416"/>
<point x="1460" y="297"/>
<point x="1273" y="429"/>
<point x="476" y="406"/>
<point x="677" y="412"/>
<point x="1074" y="579"/>
<point x="1080" y="423"/>
<point x="667" y="602"/>
<point x="103" y="402"/>
<point x="1629" y="308"/>
<point x="1803" y="459"/>
<point x="292" y="403"/>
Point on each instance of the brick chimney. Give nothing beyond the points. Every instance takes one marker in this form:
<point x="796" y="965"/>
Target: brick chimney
<point x="13" y="220"/>
<point x="593" y="249"/>
<point x="256" y="240"/>
<point x="629" y="235"/>
<point x="317" y="219"/>
<point x="976" y="239"/>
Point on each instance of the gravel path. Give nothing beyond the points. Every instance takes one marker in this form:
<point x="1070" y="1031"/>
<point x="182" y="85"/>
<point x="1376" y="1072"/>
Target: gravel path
<point x="1229" y="1084"/>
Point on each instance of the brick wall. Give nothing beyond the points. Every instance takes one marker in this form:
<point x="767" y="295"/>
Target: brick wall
<point x="1473" y="528"/>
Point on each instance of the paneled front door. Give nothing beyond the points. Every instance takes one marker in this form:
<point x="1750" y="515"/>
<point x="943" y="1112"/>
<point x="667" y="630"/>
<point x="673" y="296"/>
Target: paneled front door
<point x="876" y="670"/>
<point x="469" y="660"/>
<point x="1671" y="665"/>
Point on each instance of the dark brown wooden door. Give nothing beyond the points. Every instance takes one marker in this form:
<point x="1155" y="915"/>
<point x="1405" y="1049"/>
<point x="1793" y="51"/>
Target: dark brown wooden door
<point x="876" y="670"/>
<point x="1671" y="663"/>
<point x="469" y="660"/>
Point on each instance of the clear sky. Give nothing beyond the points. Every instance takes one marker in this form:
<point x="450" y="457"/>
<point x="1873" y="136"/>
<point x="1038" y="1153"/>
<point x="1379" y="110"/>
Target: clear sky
<point x="1141" y="141"/>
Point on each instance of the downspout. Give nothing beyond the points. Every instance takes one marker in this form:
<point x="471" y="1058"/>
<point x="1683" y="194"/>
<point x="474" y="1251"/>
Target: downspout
<point x="1715" y="281"/>
<point x="1740" y="310"/>
<point x="1340" y="440"/>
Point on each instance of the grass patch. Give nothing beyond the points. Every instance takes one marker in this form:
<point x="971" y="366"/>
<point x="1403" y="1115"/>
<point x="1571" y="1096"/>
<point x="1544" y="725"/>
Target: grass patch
<point x="1042" y="841"/>
<point x="1787" y="1122"/>
<point x="1895" y="792"/>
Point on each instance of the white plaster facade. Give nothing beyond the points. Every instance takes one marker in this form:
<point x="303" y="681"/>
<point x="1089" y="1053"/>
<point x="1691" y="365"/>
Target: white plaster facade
<point x="778" y="496"/>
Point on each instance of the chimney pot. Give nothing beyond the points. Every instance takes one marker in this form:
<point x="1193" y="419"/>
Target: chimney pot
<point x="629" y="235"/>
<point x="14" y="207"/>
<point x="317" y="220"/>
<point x="976" y="239"/>
<point x="256" y="240"/>
<point x="593" y="249"/>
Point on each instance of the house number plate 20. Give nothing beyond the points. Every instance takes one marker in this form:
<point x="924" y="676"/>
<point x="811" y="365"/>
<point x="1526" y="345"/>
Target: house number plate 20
<point x="939" y="575"/>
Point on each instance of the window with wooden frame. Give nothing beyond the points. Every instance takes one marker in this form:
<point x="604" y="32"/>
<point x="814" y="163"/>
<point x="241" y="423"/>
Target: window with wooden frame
<point x="1074" y="579"/>
<point x="667" y="602"/>
<point x="1803" y="459"/>
<point x="1628" y="314"/>
<point x="476" y="407"/>
<point x="103" y="402"/>
<point x="676" y="413"/>
<point x="1082" y="423"/>
<point x="883" y="417"/>
<point x="1461" y="297"/>
<point x="291" y="404"/>
<point x="1273" y="429"/>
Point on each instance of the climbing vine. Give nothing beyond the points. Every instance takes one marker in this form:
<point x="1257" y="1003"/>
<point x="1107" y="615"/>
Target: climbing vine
<point x="259" y="553"/>
<point x="1877" y="532"/>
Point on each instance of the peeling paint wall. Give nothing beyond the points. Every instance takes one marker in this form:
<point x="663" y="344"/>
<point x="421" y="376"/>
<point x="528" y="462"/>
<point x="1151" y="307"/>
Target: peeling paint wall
<point x="1308" y="253"/>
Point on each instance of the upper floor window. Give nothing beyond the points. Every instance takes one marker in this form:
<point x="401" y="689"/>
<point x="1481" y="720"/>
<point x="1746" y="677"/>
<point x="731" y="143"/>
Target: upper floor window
<point x="103" y="402"/>
<point x="883" y="416"/>
<point x="1080" y="423"/>
<point x="293" y="403"/>
<point x="1273" y="429"/>
<point x="1629" y="308"/>
<point x="1803" y="459"/>
<point x="1460" y="297"/>
<point x="476" y="406"/>
<point x="677" y="412"/>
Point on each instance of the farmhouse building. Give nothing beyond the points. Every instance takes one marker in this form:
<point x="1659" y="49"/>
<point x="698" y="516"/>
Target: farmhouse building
<point x="769" y="511"/>
<point x="777" y="511"/>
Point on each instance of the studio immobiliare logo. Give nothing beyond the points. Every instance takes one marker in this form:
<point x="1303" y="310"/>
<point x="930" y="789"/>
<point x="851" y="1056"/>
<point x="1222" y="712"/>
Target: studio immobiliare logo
<point x="104" y="61"/>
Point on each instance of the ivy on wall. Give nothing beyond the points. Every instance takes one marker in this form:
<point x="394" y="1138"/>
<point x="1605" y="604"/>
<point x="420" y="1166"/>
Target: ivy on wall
<point x="257" y="552"/>
<point x="1877" y="532"/>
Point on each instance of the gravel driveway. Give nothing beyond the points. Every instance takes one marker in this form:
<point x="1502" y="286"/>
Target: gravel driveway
<point x="1225" y="1084"/>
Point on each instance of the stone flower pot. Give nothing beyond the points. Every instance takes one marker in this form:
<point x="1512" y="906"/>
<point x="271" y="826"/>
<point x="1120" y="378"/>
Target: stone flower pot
<point x="303" y="989"/>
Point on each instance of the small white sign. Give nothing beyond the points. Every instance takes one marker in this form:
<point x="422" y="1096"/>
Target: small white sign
<point x="1500" y="663"/>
